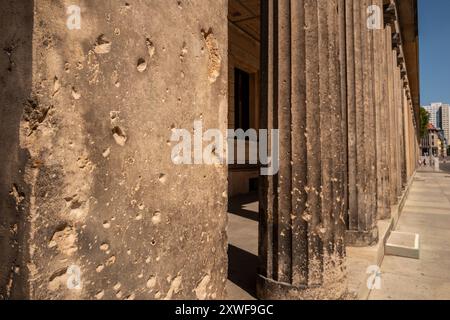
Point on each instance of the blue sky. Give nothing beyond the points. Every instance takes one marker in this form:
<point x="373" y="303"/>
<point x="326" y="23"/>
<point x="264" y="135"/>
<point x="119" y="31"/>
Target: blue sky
<point x="434" y="29"/>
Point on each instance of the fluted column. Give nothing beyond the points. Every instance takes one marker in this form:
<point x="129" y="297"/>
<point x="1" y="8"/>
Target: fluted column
<point x="387" y="91"/>
<point x="302" y="216"/>
<point x="362" y="151"/>
<point x="383" y="210"/>
<point x="407" y="138"/>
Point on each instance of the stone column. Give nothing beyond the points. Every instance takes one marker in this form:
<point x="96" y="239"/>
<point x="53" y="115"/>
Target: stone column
<point x="381" y="103"/>
<point x="302" y="214"/>
<point x="398" y="137"/>
<point x="407" y="137"/>
<point x="385" y="125"/>
<point x="391" y="118"/>
<point x="108" y="207"/>
<point x="16" y="23"/>
<point x="344" y="29"/>
<point x="370" y="123"/>
<point x="362" y="229"/>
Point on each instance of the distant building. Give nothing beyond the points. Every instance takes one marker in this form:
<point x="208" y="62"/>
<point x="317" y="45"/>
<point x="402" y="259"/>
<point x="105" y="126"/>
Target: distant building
<point x="444" y="117"/>
<point x="433" y="110"/>
<point x="440" y="119"/>
<point x="434" y="142"/>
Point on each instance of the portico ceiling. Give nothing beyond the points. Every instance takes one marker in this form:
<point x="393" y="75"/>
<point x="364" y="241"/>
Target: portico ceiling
<point x="245" y="14"/>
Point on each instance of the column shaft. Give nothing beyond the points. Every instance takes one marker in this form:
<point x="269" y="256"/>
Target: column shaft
<point x="302" y="217"/>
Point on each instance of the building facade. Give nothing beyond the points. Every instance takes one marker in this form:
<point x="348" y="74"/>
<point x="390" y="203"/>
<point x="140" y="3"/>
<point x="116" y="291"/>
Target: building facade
<point x="444" y="115"/>
<point x="91" y="95"/>
<point x="434" y="110"/>
<point x="434" y="143"/>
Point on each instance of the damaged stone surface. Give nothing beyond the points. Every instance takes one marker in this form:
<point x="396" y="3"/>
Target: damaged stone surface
<point x="103" y="196"/>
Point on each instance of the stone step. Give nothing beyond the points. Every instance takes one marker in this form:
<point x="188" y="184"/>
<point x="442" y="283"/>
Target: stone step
<point x="403" y="244"/>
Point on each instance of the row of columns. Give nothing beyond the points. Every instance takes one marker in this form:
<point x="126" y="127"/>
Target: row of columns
<point x="337" y="92"/>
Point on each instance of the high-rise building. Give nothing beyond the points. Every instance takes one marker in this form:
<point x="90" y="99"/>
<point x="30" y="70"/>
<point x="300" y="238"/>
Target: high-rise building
<point x="433" y="110"/>
<point x="444" y="116"/>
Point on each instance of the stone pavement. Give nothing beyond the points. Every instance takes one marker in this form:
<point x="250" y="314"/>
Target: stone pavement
<point x="243" y="248"/>
<point x="427" y="212"/>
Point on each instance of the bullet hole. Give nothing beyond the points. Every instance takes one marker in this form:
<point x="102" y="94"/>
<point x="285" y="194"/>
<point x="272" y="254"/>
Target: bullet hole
<point x="104" y="247"/>
<point x="115" y="78"/>
<point x="215" y="60"/>
<point x="100" y="295"/>
<point x="119" y="136"/>
<point x="56" y="86"/>
<point x="34" y="114"/>
<point x="83" y="162"/>
<point x="125" y="7"/>
<point x="141" y="65"/>
<point x="184" y="51"/>
<point x="17" y="195"/>
<point x="156" y="219"/>
<point x="9" y="51"/>
<point x="162" y="178"/>
<point x="307" y="217"/>
<point x="106" y="225"/>
<point x="150" y="47"/>
<point x="131" y="297"/>
<point x="70" y="198"/>
<point x="48" y="41"/>
<point x="76" y="204"/>
<point x="153" y="242"/>
<point x="106" y="153"/>
<point x="75" y="94"/>
<point x="102" y="45"/>
<point x="111" y="261"/>
<point x="151" y="283"/>
<point x="117" y="286"/>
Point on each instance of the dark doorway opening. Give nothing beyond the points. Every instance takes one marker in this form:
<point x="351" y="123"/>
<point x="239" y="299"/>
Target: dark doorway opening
<point x="241" y="100"/>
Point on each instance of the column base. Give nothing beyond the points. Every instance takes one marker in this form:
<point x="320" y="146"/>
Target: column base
<point x="267" y="289"/>
<point x="384" y="213"/>
<point x="361" y="238"/>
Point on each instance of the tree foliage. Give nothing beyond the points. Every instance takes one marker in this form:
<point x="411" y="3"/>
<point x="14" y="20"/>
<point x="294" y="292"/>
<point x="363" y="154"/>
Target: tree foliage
<point x="424" y="121"/>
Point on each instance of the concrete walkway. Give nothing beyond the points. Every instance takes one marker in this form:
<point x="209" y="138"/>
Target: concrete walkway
<point x="427" y="212"/>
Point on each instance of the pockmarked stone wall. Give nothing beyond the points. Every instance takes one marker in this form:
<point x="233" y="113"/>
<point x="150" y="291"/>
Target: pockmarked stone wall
<point x="109" y="215"/>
